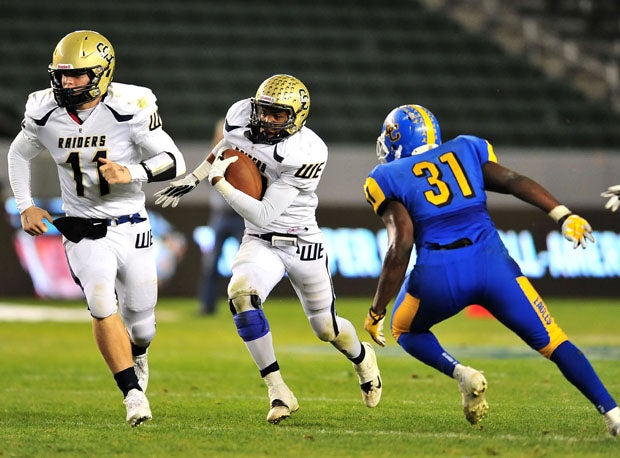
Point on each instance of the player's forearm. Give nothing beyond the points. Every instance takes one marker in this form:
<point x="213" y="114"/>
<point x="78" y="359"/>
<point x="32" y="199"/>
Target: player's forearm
<point x="278" y="197"/>
<point x="19" y="179"/>
<point x="390" y="280"/>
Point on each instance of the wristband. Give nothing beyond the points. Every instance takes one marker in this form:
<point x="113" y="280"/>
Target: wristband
<point x="376" y="317"/>
<point x="559" y="214"/>
<point x="202" y="171"/>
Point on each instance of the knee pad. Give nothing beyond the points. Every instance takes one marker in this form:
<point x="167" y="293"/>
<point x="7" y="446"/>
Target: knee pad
<point x="101" y="309"/>
<point x="101" y="300"/>
<point x="244" y="303"/>
<point x="141" y="328"/>
<point x="324" y="326"/>
<point x="251" y="324"/>
<point x="142" y="334"/>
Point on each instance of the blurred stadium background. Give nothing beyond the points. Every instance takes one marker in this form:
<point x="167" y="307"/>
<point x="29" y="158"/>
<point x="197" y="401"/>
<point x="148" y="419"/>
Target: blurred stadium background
<point x="538" y="78"/>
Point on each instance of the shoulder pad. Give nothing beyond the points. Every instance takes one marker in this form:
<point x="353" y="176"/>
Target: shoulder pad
<point x="40" y="103"/>
<point x="238" y="114"/>
<point x="302" y="147"/>
<point x="127" y="98"/>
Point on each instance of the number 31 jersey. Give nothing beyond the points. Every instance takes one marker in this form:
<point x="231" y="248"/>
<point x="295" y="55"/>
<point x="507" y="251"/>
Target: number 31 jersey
<point x="443" y="190"/>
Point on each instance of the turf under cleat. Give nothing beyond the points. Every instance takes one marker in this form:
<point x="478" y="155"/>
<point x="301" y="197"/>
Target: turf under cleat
<point x="612" y="420"/>
<point x="369" y="377"/>
<point x="282" y="402"/>
<point x="473" y="386"/>
<point x="138" y="408"/>
<point x="141" y="367"/>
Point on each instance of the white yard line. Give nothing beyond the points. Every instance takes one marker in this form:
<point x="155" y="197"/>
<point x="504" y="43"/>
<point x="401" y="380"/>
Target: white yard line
<point x="33" y="313"/>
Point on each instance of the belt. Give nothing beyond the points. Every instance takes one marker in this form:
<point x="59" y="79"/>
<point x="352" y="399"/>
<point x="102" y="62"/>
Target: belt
<point x="278" y="239"/>
<point x="460" y="243"/>
<point x="135" y="218"/>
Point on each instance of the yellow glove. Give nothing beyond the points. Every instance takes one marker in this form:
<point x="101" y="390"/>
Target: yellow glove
<point x="374" y="325"/>
<point x="576" y="229"/>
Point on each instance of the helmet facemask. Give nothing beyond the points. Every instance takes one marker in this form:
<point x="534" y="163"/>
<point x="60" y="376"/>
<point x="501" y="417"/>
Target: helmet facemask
<point x="75" y="96"/>
<point x="271" y="132"/>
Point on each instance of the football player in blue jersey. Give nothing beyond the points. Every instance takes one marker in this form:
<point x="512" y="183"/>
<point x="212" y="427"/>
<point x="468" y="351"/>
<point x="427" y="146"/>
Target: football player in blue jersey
<point x="433" y="195"/>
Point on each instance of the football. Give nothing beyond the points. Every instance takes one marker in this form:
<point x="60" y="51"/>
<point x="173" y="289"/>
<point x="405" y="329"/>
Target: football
<point x="243" y="174"/>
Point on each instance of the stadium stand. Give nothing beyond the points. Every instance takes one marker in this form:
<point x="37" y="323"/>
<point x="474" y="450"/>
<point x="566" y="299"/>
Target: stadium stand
<point x="359" y="58"/>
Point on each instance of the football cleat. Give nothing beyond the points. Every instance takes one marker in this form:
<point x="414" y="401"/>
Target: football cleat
<point x="282" y="403"/>
<point x="473" y="386"/>
<point x="612" y="420"/>
<point x="369" y="377"/>
<point x="138" y="408"/>
<point x="141" y="367"/>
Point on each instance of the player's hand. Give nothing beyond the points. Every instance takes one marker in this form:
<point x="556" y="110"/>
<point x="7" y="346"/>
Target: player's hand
<point x="576" y="229"/>
<point x="177" y="189"/>
<point x="374" y="325"/>
<point x="613" y="194"/>
<point x="32" y="220"/>
<point x="114" y="173"/>
<point x="219" y="166"/>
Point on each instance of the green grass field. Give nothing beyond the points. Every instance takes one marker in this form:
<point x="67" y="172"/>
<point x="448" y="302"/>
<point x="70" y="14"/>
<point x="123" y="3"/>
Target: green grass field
<point x="58" y="399"/>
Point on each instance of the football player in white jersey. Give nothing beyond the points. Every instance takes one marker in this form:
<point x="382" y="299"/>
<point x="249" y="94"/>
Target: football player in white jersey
<point x="281" y="232"/>
<point x="106" y="140"/>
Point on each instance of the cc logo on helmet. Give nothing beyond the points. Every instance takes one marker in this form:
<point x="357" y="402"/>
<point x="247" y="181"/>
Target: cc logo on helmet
<point x="304" y="99"/>
<point x="104" y="52"/>
<point x="393" y="132"/>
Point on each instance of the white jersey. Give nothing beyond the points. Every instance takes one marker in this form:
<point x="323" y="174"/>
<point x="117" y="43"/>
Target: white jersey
<point x="124" y="127"/>
<point x="297" y="162"/>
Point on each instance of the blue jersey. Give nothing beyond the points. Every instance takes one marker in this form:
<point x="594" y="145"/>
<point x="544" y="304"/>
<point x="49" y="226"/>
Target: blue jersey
<point x="443" y="190"/>
<point x="460" y="261"/>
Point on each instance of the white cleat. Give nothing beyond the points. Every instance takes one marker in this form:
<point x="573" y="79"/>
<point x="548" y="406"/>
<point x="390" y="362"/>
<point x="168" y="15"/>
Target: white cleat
<point x="369" y="377"/>
<point x="612" y="420"/>
<point x="473" y="386"/>
<point x="282" y="402"/>
<point x="138" y="408"/>
<point x="141" y="367"/>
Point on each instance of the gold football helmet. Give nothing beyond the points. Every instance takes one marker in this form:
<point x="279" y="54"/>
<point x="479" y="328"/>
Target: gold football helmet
<point x="82" y="52"/>
<point x="279" y="93"/>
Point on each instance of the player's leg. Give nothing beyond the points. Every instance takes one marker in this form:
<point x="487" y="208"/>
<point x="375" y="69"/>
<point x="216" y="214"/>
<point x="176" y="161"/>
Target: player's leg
<point x="523" y="311"/>
<point x="309" y="274"/>
<point x="136" y="289"/>
<point x="97" y="280"/>
<point x="255" y="271"/>
<point x="427" y="298"/>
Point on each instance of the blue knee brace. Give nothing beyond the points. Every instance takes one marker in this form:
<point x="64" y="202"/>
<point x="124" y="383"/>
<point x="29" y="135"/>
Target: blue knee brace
<point x="251" y="324"/>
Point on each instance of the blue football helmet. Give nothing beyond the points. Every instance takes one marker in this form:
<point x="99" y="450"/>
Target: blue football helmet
<point x="407" y="130"/>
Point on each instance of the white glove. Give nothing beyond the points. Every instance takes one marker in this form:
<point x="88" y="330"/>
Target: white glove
<point x="219" y="166"/>
<point x="177" y="189"/>
<point x="613" y="194"/>
<point x="576" y="229"/>
<point x="374" y="325"/>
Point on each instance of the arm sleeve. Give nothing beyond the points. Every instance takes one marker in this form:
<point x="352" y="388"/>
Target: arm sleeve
<point x="278" y="197"/>
<point x="21" y="152"/>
